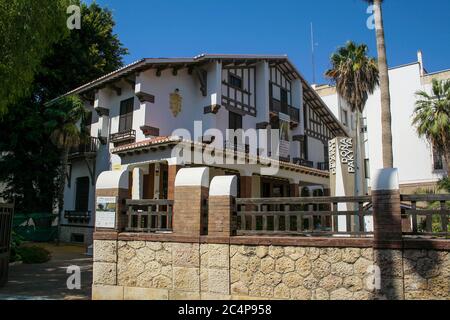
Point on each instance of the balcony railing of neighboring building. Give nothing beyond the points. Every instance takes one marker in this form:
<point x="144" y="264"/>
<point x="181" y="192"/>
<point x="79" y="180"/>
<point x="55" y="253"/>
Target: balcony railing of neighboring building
<point x="304" y="162"/>
<point x="90" y="147"/>
<point x="124" y="136"/>
<point x="76" y="216"/>
<point x="324" y="166"/>
<point x="149" y="216"/>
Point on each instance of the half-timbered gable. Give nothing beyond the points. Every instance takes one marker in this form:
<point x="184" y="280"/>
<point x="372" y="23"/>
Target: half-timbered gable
<point x="238" y="90"/>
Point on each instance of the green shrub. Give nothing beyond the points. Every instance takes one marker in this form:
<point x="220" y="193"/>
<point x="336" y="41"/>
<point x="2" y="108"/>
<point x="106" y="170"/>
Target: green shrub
<point x="33" y="254"/>
<point x="444" y="184"/>
<point x="16" y="241"/>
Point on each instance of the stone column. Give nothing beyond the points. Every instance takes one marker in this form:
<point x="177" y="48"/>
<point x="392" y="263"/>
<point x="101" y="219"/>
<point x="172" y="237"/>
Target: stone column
<point x="191" y="194"/>
<point x="388" y="257"/>
<point x="222" y="195"/>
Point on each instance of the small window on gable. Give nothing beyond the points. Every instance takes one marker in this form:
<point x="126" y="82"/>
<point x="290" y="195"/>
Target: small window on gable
<point x="235" y="81"/>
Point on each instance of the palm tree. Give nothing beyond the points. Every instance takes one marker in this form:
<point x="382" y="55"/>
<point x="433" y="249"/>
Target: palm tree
<point x="432" y="117"/>
<point x="355" y="75"/>
<point x="386" y="130"/>
<point x="66" y="132"/>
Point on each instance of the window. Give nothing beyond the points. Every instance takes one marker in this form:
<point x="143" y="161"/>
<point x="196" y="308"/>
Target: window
<point x="126" y="115"/>
<point x="82" y="194"/>
<point x="235" y="121"/>
<point x="344" y="117"/>
<point x="284" y="101"/>
<point x="235" y="81"/>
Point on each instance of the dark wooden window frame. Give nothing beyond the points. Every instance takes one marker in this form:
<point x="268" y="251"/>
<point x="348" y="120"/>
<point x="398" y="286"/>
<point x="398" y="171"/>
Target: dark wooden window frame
<point x="126" y="115"/>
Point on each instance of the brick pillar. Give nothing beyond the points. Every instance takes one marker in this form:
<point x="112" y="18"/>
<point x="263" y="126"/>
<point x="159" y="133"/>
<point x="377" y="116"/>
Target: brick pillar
<point x="222" y="218"/>
<point x="387" y="219"/>
<point x="246" y="186"/>
<point x="294" y="190"/>
<point x="114" y="184"/>
<point x="191" y="194"/>
<point x="172" y="173"/>
<point x="387" y="222"/>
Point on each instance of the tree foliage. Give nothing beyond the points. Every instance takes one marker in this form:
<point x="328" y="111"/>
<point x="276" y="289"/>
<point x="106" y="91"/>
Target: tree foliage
<point x="29" y="28"/>
<point x="31" y="160"/>
<point x="354" y="73"/>
<point x="432" y="117"/>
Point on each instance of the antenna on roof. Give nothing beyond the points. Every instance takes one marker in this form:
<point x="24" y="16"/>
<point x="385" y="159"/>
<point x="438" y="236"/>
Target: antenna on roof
<point x="313" y="58"/>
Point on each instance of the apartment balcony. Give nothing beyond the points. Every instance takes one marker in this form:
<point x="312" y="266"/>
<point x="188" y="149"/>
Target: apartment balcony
<point x="74" y="216"/>
<point x="303" y="162"/>
<point x="87" y="149"/>
<point x="128" y="136"/>
<point x="324" y="166"/>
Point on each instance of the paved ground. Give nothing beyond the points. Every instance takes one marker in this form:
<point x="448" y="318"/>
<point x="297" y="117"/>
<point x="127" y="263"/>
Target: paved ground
<point x="48" y="281"/>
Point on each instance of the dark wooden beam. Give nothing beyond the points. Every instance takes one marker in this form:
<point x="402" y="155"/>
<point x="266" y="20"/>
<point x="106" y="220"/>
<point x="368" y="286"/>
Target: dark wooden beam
<point x="214" y="109"/>
<point x="117" y="89"/>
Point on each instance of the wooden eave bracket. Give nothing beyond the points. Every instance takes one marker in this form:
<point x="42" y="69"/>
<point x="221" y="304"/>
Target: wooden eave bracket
<point x="214" y="109"/>
<point x="145" y="97"/>
<point x="102" y="111"/>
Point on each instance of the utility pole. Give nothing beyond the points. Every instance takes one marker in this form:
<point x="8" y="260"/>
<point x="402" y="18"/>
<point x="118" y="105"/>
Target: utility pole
<point x="313" y="59"/>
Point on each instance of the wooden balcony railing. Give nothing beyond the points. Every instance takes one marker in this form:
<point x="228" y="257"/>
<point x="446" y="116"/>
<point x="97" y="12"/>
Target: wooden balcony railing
<point x="303" y="162"/>
<point x="294" y="113"/>
<point x="324" y="166"/>
<point x="426" y="215"/>
<point x="90" y="147"/>
<point x="149" y="216"/>
<point x="124" y="136"/>
<point x="312" y="216"/>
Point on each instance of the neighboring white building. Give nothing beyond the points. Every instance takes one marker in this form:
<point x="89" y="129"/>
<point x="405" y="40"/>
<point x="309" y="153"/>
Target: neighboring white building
<point x="419" y="166"/>
<point x="138" y="111"/>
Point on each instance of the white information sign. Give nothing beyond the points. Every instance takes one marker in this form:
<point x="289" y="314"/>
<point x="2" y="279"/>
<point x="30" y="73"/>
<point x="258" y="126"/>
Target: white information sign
<point x="105" y="212"/>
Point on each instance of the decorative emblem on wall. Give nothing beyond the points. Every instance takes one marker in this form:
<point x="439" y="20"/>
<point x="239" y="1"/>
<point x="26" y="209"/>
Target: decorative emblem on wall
<point x="176" y="102"/>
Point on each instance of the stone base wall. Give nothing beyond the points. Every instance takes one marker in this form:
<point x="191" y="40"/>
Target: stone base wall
<point x="170" y="270"/>
<point x="67" y="231"/>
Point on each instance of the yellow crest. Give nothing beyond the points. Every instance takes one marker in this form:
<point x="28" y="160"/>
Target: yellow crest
<point x="175" y="103"/>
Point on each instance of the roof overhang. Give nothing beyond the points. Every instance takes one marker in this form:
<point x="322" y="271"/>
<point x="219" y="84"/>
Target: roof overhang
<point x="162" y="143"/>
<point x="281" y="61"/>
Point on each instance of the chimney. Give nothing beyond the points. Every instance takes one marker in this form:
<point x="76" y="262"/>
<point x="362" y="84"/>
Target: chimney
<point x="420" y="60"/>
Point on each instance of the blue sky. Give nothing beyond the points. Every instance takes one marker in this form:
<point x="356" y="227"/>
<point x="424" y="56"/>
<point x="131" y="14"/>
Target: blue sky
<point x="180" y="28"/>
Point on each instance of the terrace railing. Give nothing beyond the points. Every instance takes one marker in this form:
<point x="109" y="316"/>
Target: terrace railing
<point x="426" y="215"/>
<point x="311" y="216"/>
<point x="149" y="216"/>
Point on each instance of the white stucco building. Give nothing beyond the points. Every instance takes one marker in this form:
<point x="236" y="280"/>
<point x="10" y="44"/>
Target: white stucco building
<point x="419" y="166"/>
<point x="143" y="112"/>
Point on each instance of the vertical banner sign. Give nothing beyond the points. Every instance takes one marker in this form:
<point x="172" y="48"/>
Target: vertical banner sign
<point x="342" y="175"/>
<point x="105" y="212"/>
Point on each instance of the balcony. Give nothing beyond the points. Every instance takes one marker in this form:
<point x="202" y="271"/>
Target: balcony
<point x="123" y="137"/>
<point x="324" y="166"/>
<point x="303" y="162"/>
<point x="85" y="149"/>
<point x="74" y="216"/>
<point x="293" y="112"/>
